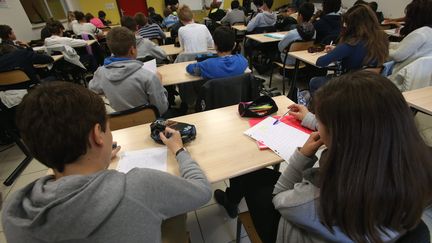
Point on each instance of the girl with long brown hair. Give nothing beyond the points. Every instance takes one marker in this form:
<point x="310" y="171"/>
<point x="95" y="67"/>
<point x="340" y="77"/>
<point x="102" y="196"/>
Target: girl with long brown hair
<point x="373" y="180"/>
<point x="362" y="44"/>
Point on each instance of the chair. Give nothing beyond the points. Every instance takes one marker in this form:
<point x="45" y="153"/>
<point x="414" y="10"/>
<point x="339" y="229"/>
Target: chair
<point x="133" y="117"/>
<point x="245" y="219"/>
<point x="14" y="79"/>
<point x="415" y="75"/>
<point x="216" y="93"/>
<point x="294" y="46"/>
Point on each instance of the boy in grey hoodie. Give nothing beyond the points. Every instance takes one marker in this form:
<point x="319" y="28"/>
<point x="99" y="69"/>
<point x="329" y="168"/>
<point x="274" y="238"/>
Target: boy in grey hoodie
<point x="265" y="18"/>
<point x="123" y="80"/>
<point x="68" y="131"/>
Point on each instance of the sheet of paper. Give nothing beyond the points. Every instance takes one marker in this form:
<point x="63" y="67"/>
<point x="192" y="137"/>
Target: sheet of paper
<point x="153" y="158"/>
<point x="275" y="35"/>
<point x="281" y="138"/>
<point x="150" y="65"/>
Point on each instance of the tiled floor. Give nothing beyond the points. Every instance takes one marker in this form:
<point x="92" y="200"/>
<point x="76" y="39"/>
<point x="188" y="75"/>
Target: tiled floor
<point x="208" y="224"/>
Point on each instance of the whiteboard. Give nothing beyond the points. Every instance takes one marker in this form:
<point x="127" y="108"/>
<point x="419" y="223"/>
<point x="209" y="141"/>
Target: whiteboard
<point x="193" y="4"/>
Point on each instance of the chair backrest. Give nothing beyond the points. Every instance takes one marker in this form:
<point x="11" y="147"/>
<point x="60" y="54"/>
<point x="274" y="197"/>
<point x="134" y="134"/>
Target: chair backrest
<point x="13" y="77"/>
<point x="266" y="29"/>
<point x="420" y="234"/>
<point x="216" y="93"/>
<point x="157" y="41"/>
<point x="133" y="117"/>
<point x="297" y="46"/>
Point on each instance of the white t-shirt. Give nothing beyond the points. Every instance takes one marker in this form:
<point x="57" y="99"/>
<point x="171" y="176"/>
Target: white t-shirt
<point x="195" y="38"/>
<point x="86" y="28"/>
<point x="58" y="40"/>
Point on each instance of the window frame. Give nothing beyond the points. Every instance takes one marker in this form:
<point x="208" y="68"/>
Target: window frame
<point x="63" y="3"/>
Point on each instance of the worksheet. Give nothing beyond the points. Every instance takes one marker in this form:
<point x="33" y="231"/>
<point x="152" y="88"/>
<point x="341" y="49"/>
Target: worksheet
<point x="152" y="158"/>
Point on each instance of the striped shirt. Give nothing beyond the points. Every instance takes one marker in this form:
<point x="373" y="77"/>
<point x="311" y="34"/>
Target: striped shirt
<point x="151" y="31"/>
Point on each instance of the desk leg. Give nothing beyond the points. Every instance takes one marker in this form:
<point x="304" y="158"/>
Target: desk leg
<point x="292" y="91"/>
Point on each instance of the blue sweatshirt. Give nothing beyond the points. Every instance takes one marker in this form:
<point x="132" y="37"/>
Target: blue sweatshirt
<point x="351" y="56"/>
<point x="219" y="67"/>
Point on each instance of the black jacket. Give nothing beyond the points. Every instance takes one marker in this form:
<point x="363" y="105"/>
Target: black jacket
<point x="327" y="28"/>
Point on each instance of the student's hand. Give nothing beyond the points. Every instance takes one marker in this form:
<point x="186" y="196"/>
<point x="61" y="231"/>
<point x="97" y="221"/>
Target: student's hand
<point x="311" y="145"/>
<point x="329" y="48"/>
<point x="20" y="43"/>
<point x="174" y="141"/>
<point x="115" y="151"/>
<point x="298" y="111"/>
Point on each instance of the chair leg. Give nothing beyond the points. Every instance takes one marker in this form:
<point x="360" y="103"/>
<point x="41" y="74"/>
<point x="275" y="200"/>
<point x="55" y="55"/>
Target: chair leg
<point x="19" y="169"/>
<point x="271" y="75"/>
<point x="238" y="233"/>
<point x="283" y="81"/>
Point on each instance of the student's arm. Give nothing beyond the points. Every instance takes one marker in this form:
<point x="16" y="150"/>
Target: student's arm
<point x="210" y="42"/>
<point x="76" y="42"/>
<point x="39" y="58"/>
<point x="95" y="83"/>
<point x="156" y="51"/>
<point x="161" y="32"/>
<point x="288" y="38"/>
<point x="252" y="24"/>
<point x="301" y="112"/>
<point x="226" y="19"/>
<point x="156" y="92"/>
<point x="338" y="53"/>
<point x="408" y="46"/>
<point x="194" y="69"/>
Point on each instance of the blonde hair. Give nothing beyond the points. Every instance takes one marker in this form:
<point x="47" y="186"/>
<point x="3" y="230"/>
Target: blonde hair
<point x="185" y="13"/>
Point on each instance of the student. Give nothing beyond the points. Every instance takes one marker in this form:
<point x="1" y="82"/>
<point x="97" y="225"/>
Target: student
<point x="236" y="15"/>
<point x="171" y="3"/>
<point x="418" y="31"/>
<point x="83" y="201"/>
<point x="70" y="20"/>
<point x="336" y="202"/>
<point x="170" y="19"/>
<point x="7" y="36"/>
<point x="380" y="16"/>
<point x="102" y="17"/>
<point x="193" y="37"/>
<point x="226" y="65"/>
<point x="154" y="17"/>
<point x="147" y="30"/>
<point x="287" y="19"/>
<point x="362" y="44"/>
<point x="145" y="47"/>
<point x="56" y="29"/>
<point x="265" y="17"/>
<point x="123" y="80"/>
<point x="303" y="31"/>
<point x="94" y="21"/>
<point x="328" y="26"/>
<point x="12" y="57"/>
<point x="215" y="13"/>
<point x="82" y="27"/>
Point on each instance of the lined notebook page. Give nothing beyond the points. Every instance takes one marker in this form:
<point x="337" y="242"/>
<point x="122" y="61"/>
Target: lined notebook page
<point x="280" y="138"/>
<point x="153" y="158"/>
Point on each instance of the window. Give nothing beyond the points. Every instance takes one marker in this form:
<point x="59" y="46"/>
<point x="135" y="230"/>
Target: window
<point x="39" y="11"/>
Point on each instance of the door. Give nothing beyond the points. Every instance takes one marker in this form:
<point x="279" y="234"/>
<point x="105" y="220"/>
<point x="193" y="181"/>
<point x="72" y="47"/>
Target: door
<point x="131" y="7"/>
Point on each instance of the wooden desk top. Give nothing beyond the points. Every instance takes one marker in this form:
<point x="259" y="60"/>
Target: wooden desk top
<point x="55" y="57"/>
<point x="393" y="32"/>
<point x="265" y="39"/>
<point x="239" y="27"/>
<point x="176" y="73"/>
<point x="420" y="99"/>
<point x="167" y="34"/>
<point x="171" y="50"/>
<point x="307" y="57"/>
<point x="220" y="148"/>
<point x="91" y="42"/>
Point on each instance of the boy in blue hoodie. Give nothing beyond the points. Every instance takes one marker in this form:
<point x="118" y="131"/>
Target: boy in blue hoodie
<point x="225" y="65"/>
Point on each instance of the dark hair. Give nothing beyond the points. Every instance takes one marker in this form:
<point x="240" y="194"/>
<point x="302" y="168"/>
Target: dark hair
<point x="129" y="22"/>
<point x="258" y="3"/>
<point x="120" y="40"/>
<point x="331" y="6"/>
<point x="306" y="10"/>
<point x="141" y="19"/>
<point x="54" y="27"/>
<point x="359" y="2"/>
<point x="374" y="6"/>
<point x="376" y="172"/>
<point x="417" y="15"/>
<point x="268" y="3"/>
<point x="362" y="27"/>
<point x="167" y="12"/>
<point x="224" y="38"/>
<point x="79" y="15"/>
<point x="235" y="4"/>
<point x="88" y="17"/>
<point x="101" y="14"/>
<point x="55" y="120"/>
<point x="151" y="10"/>
<point x="5" y="31"/>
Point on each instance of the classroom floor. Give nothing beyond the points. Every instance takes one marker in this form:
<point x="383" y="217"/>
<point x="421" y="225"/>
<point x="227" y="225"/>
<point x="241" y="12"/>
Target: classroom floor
<point x="210" y="223"/>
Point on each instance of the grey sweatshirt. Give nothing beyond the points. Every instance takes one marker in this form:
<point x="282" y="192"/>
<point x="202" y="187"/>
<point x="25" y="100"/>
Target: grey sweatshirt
<point x="105" y="207"/>
<point x="297" y="197"/>
<point x="263" y="19"/>
<point x="146" y="47"/>
<point x="234" y="16"/>
<point x="127" y="85"/>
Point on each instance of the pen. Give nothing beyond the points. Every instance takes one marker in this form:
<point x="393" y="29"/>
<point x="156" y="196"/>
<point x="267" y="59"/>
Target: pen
<point x="331" y="42"/>
<point x="280" y="118"/>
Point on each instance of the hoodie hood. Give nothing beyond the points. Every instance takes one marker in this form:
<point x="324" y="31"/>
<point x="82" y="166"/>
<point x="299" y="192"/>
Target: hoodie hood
<point x="306" y="31"/>
<point x="268" y="18"/>
<point x="53" y="210"/>
<point x="118" y="69"/>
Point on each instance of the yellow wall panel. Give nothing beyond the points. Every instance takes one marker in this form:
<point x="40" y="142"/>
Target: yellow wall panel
<point x="158" y="5"/>
<point x="108" y="6"/>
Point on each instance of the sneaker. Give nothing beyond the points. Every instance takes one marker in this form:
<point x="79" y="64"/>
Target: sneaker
<point x="221" y="198"/>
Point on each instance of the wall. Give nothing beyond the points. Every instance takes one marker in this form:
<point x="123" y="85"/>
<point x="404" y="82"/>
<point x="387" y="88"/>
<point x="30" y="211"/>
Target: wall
<point x="93" y="6"/>
<point x="391" y="9"/>
<point x="15" y="17"/>
<point x="158" y="5"/>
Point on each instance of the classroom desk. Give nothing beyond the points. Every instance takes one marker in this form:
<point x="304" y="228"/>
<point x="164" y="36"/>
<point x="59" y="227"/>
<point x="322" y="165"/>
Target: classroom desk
<point x="55" y="57"/>
<point x="171" y="50"/>
<point x="167" y="34"/>
<point x="420" y="99"/>
<point x="262" y="38"/>
<point x="43" y="48"/>
<point x="239" y="27"/>
<point x="220" y="148"/>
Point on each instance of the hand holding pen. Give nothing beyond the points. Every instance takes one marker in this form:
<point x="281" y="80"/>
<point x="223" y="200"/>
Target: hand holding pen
<point x="280" y="118"/>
